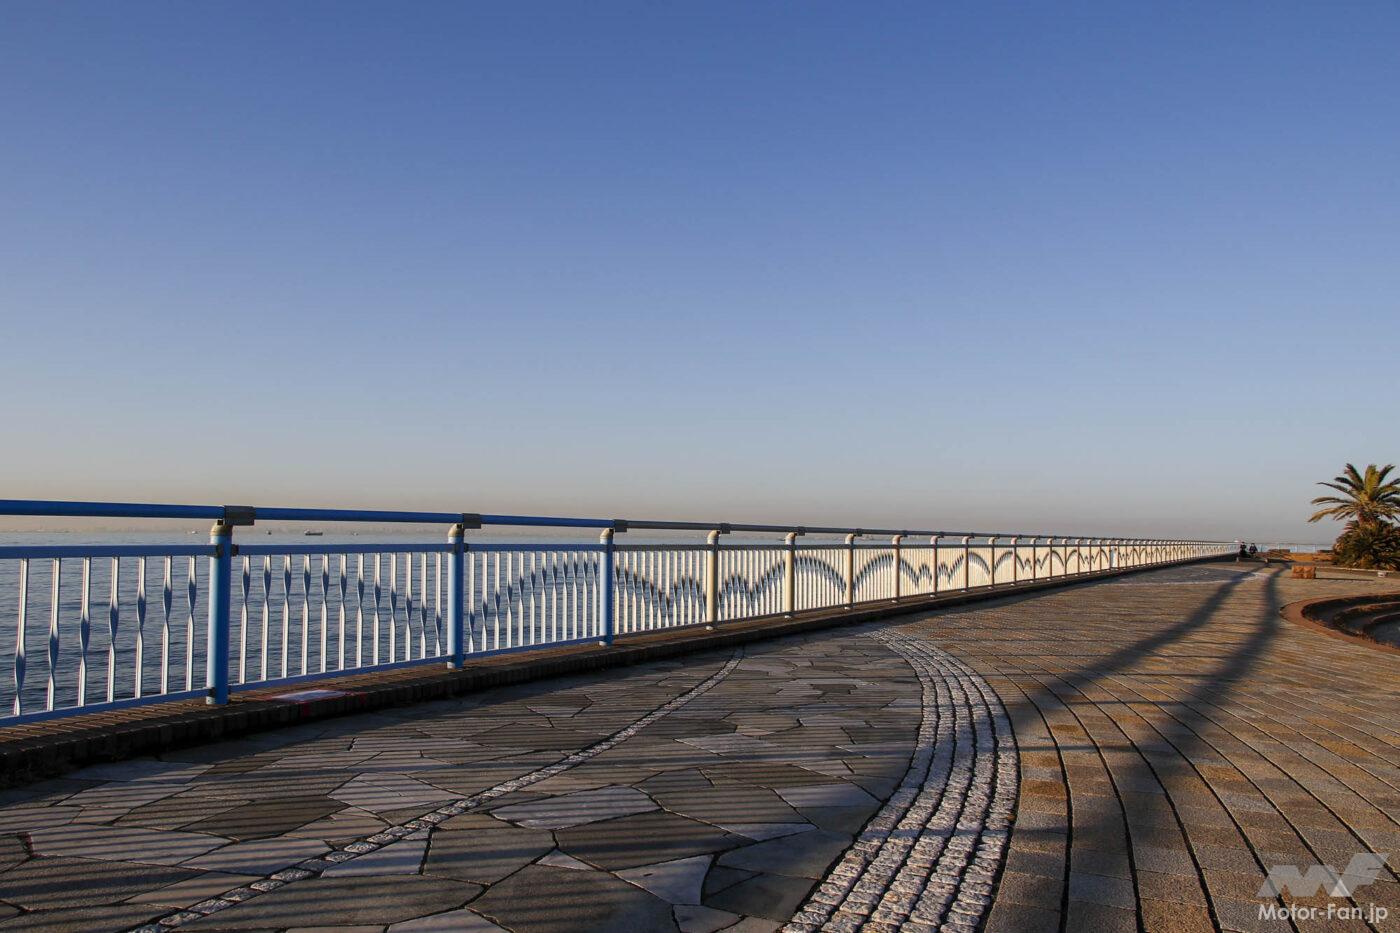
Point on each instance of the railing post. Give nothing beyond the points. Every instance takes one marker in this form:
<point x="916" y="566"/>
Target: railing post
<point x="851" y="568"/>
<point x="934" y="542"/>
<point x="456" y="591"/>
<point x="712" y="578"/>
<point x="790" y="573"/>
<point x="217" y="637"/>
<point x="896" y="542"/>
<point x="1035" y="558"/>
<point x="967" y="562"/>
<point x="1016" y="560"/>
<point x="605" y="597"/>
<point x="991" y="560"/>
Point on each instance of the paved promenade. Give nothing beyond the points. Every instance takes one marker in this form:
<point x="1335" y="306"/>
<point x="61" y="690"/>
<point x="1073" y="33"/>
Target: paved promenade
<point x="1129" y="754"/>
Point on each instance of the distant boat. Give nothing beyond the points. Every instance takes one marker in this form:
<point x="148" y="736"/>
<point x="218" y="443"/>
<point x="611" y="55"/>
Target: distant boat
<point x="314" y="534"/>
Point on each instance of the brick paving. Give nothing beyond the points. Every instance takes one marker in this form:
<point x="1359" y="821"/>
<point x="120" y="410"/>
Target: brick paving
<point x="1131" y="753"/>
<point x="1176" y="739"/>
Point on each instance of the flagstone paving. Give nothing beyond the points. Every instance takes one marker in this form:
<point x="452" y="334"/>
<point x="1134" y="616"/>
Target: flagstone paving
<point x="1129" y="754"/>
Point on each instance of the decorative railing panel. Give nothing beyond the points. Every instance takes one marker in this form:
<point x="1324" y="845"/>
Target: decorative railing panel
<point x="306" y="610"/>
<point x="874" y="570"/>
<point x="919" y="570"/>
<point x="750" y="581"/>
<point x="659" y="587"/>
<point x="820" y="577"/>
<point x="533" y="595"/>
<point x="978" y="571"/>
<point x="102" y="625"/>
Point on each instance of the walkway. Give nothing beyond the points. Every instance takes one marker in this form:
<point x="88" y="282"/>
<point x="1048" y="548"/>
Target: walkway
<point x="1129" y="754"/>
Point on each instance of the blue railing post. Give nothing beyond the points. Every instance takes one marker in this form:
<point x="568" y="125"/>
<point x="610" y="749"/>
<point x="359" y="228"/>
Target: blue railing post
<point x="605" y="601"/>
<point x="220" y="571"/>
<point x="456" y="590"/>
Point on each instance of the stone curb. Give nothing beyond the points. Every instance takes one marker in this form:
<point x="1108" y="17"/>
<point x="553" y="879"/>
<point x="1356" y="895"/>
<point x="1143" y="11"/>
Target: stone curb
<point x="32" y="751"/>
<point x="1312" y="614"/>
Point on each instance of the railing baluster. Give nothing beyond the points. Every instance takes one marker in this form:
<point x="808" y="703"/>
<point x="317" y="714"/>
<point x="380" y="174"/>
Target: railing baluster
<point x="422" y="605"/>
<point x="554" y="598"/>
<point x="166" y="601"/>
<point x="571" y="595"/>
<point x="51" y="687"/>
<point x="360" y="610"/>
<point x="393" y="606"/>
<point x="286" y="614"/>
<point x="247" y="585"/>
<point x="472" y="603"/>
<point x="113" y="620"/>
<point x="408" y="607"/>
<point x="340" y="666"/>
<point x="632" y="608"/>
<point x="84" y="630"/>
<point x="140" y="624"/>
<point x="530" y="560"/>
<point x="19" y="662"/>
<point x="266" y="616"/>
<point x="305" y="610"/>
<point x="325" y="606"/>
<point x="377" y="591"/>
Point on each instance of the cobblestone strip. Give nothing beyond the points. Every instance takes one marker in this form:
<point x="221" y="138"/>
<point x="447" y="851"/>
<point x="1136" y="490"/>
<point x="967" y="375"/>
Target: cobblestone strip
<point x="929" y="858"/>
<point x="314" y="867"/>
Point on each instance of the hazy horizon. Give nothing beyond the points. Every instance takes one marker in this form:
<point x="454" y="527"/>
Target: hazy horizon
<point x="1093" y="269"/>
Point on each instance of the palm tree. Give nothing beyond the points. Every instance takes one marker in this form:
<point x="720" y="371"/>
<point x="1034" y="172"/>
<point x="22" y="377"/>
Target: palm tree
<point x="1366" y="500"/>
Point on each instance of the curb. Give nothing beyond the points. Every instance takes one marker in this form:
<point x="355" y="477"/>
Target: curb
<point x="1310" y="614"/>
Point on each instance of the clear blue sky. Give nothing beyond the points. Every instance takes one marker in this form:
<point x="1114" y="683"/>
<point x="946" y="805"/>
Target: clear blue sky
<point x="1101" y="267"/>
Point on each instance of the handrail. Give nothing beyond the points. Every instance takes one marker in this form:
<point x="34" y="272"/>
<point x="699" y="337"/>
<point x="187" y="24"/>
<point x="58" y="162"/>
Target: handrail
<point x="247" y="514"/>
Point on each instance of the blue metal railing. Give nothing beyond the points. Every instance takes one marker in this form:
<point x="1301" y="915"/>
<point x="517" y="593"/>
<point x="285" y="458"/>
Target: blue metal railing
<point x="234" y="616"/>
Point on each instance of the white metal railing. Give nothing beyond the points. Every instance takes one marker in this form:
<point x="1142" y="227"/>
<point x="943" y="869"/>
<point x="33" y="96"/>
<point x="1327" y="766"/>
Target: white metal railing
<point x="101" y="626"/>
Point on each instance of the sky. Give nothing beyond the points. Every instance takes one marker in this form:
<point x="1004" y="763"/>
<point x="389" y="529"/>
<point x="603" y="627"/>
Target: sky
<point x="1065" y="267"/>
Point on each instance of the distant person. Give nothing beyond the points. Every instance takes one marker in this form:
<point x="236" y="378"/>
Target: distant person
<point x="1253" y="550"/>
<point x="1244" y="552"/>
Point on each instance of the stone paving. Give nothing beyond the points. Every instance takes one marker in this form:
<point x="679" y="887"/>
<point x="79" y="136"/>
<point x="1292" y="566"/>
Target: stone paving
<point x="1128" y="754"/>
<point x="1177" y="739"/>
